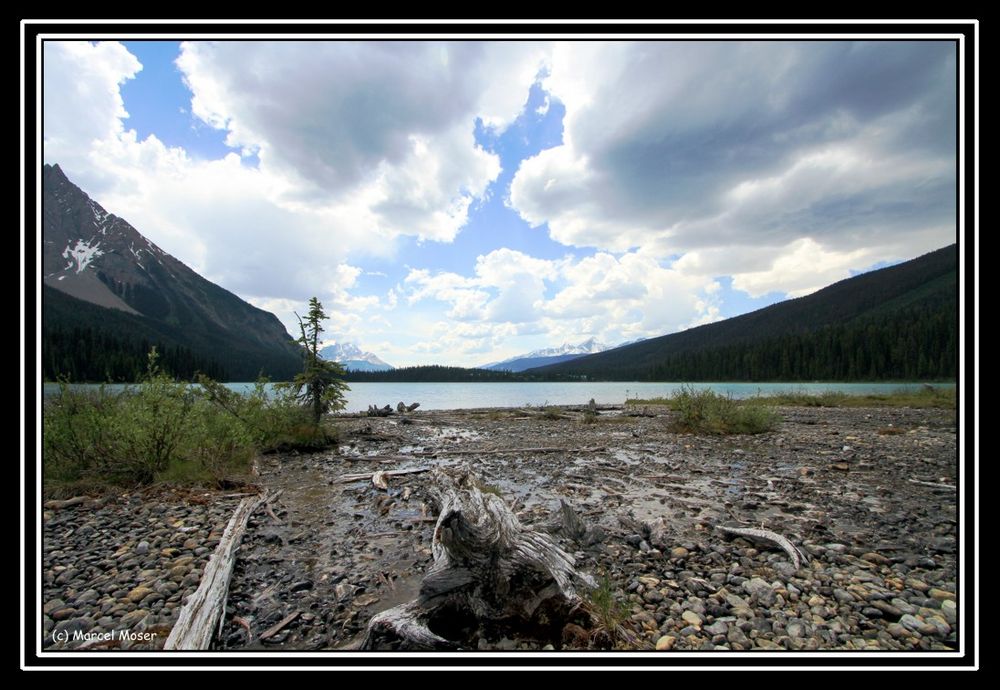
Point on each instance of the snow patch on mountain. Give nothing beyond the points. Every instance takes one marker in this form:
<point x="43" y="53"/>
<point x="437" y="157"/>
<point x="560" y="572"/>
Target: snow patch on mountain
<point x="82" y="254"/>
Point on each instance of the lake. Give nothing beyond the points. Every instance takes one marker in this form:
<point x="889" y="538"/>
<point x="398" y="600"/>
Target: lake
<point x="450" y="396"/>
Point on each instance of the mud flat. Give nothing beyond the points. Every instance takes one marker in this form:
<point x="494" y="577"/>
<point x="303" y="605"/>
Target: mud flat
<point x="868" y="495"/>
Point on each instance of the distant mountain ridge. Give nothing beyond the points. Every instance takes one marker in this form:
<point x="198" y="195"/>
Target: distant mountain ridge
<point x="895" y="323"/>
<point x="549" y="355"/>
<point x="353" y="358"/>
<point x="138" y="292"/>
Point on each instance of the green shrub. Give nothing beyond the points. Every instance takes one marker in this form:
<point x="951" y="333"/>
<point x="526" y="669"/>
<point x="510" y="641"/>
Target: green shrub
<point x="705" y="412"/>
<point x="925" y="397"/>
<point x="161" y="430"/>
<point x="275" y="420"/>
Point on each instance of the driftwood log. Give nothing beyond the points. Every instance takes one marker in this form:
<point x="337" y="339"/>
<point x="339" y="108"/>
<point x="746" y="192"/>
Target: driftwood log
<point x="491" y="576"/>
<point x="202" y="616"/>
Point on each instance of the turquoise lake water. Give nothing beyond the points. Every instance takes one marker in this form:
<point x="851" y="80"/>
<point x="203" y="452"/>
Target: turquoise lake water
<point x="451" y="396"/>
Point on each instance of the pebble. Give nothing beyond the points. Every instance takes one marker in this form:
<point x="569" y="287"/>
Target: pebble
<point x="764" y="643"/>
<point x="138" y="594"/>
<point x="665" y="643"/>
<point x="940" y="594"/>
<point x="717" y="628"/>
<point x="111" y="566"/>
<point x="915" y="624"/>
<point x="692" y="618"/>
<point x="760" y="591"/>
<point x="949" y="609"/>
<point x="843" y="596"/>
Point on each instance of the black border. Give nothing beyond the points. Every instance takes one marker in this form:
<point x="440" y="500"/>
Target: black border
<point x="968" y="240"/>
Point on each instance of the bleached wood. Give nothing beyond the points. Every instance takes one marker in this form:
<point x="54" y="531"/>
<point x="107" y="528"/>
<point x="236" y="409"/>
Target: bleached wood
<point x="486" y="564"/>
<point x="367" y="476"/>
<point x="201" y="617"/>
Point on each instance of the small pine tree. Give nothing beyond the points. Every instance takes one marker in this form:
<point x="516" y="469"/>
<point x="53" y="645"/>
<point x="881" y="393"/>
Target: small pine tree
<point x="320" y="385"/>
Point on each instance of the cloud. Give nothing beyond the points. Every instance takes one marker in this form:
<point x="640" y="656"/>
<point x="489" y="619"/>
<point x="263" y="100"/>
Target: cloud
<point x="678" y="147"/>
<point x="508" y="287"/>
<point x="614" y="298"/>
<point x="389" y="123"/>
<point x="358" y="143"/>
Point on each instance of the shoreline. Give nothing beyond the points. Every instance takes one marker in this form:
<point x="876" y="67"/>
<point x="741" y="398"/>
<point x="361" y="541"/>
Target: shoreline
<point x="881" y="549"/>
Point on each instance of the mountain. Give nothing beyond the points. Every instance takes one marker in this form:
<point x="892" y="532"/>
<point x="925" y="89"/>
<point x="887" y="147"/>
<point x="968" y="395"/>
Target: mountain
<point x="896" y="323"/>
<point x="550" y="355"/>
<point x="105" y="283"/>
<point x="353" y="358"/>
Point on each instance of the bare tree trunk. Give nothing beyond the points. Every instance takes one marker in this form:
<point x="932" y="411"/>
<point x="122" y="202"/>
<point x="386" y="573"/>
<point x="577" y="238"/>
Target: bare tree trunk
<point x="491" y="575"/>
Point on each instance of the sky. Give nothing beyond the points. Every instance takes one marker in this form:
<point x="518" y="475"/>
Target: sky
<point x="460" y="203"/>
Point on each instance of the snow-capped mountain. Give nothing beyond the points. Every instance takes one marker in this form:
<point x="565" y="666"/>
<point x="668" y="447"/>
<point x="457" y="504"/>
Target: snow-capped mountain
<point x="550" y="355"/>
<point x="353" y="357"/>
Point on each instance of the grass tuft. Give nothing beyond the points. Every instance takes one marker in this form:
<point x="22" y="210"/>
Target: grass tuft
<point x="705" y="412"/>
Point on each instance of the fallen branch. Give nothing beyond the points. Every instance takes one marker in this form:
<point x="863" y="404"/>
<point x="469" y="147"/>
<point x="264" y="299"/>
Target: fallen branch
<point x="505" y="451"/>
<point x="936" y="485"/>
<point x="203" y="614"/>
<point x="769" y="537"/>
<point x="368" y="476"/>
<point x="68" y="503"/>
<point x="276" y="628"/>
<point x="270" y="510"/>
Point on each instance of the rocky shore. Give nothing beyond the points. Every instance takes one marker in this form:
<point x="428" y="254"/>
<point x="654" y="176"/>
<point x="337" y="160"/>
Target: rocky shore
<point x="868" y="495"/>
<point x="115" y="573"/>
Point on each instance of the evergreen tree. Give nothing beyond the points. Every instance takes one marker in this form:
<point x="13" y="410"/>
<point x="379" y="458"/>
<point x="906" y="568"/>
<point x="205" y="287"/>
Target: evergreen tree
<point x="320" y="385"/>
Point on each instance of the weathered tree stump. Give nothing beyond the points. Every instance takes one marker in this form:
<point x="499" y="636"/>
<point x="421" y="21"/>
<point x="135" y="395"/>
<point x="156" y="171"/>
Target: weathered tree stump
<point x="491" y="575"/>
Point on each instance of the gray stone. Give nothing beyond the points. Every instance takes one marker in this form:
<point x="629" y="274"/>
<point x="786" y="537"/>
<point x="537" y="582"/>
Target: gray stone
<point x="717" y="628"/>
<point x="653" y="596"/>
<point x="843" y="596"/>
<point x="53" y="605"/>
<point x="86" y="597"/>
<point x="143" y="548"/>
<point x="913" y="623"/>
<point x="785" y="569"/>
<point x="74" y="626"/>
<point x="761" y="591"/>
<point x="736" y="636"/>
<point x="66" y="576"/>
<point x="891" y="612"/>
<point x="949" y="609"/>
<point x="903" y="606"/>
<point x="151" y="599"/>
